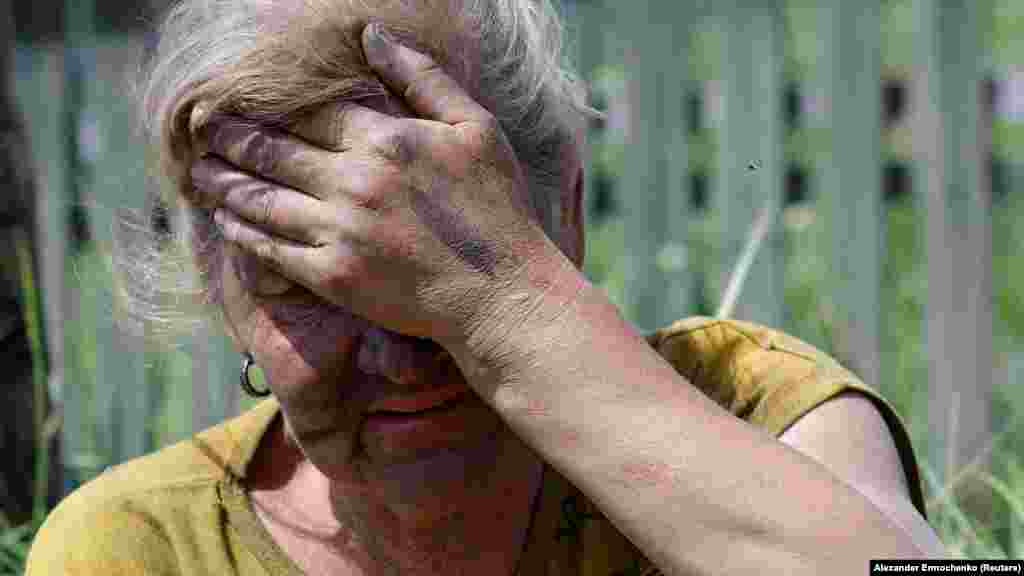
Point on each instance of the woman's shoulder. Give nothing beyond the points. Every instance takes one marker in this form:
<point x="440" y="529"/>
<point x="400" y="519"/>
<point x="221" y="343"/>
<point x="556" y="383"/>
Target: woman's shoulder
<point x="762" y="375"/>
<point x="205" y="458"/>
<point x="101" y="528"/>
<point x="771" y="379"/>
<point x="135" y="516"/>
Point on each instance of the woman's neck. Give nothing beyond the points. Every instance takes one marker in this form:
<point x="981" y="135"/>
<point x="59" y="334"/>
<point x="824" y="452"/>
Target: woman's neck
<point x="458" y="511"/>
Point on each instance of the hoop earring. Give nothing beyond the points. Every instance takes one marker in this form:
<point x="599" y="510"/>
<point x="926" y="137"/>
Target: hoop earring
<point x="247" y="362"/>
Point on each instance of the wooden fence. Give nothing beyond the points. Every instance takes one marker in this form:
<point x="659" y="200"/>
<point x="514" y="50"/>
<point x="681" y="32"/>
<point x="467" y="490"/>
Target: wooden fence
<point x="697" y="94"/>
<point x="950" y="128"/>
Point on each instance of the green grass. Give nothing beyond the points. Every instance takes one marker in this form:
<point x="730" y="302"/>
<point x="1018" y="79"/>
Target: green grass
<point x="14" y="545"/>
<point x="981" y="515"/>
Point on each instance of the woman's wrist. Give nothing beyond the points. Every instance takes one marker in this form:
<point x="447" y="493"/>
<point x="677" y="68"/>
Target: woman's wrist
<point x="515" y="322"/>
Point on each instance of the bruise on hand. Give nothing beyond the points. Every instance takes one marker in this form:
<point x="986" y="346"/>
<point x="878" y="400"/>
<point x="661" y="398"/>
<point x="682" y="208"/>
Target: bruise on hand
<point x="461" y="237"/>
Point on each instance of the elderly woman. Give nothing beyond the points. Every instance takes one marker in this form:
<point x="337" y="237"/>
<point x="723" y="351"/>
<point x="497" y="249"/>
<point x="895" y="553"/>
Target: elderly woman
<point x="384" y="199"/>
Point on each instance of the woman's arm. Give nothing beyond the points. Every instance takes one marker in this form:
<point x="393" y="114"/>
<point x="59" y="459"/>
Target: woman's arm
<point x="696" y="489"/>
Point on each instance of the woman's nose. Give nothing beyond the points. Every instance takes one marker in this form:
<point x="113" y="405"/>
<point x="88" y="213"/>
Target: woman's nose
<point x="401" y="359"/>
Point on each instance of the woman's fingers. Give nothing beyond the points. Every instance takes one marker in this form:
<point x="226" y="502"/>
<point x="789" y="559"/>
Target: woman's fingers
<point x="279" y="253"/>
<point x="426" y="88"/>
<point x="368" y="139"/>
<point x="273" y="208"/>
<point x="307" y="265"/>
<point x="272" y="154"/>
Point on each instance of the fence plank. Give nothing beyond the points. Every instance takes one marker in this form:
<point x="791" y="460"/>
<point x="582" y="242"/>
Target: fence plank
<point x="673" y="258"/>
<point x="952" y="142"/>
<point x="654" y="198"/>
<point x="750" y="131"/>
<point x="40" y="71"/>
<point x="587" y="20"/>
<point x="113" y="151"/>
<point x="849" y="203"/>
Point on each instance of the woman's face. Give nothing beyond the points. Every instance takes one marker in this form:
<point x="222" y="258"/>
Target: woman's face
<point x="335" y="374"/>
<point x="332" y="371"/>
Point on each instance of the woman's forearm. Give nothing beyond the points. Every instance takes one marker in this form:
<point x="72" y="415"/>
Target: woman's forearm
<point x="696" y="489"/>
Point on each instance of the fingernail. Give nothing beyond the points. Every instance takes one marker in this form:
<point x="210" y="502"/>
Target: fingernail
<point x="198" y="116"/>
<point x="198" y="121"/>
<point x="384" y="34"/>
<point x="378" y="39"/>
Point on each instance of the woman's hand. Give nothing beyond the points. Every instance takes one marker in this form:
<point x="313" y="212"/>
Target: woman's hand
<point x="420" y="225"/>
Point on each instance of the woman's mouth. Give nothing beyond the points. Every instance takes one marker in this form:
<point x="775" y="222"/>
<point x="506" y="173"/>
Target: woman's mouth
<point x="415" y="403"/>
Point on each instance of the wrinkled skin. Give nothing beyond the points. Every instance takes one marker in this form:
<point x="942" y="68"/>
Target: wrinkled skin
<point x="368" y="272"/>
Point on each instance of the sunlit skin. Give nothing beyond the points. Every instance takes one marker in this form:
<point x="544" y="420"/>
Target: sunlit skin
<point x="386" y="226"/>
<point x="388" y="501"/>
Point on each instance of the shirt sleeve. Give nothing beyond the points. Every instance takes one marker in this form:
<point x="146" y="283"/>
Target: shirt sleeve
<point x="771" y="379"/>
<point x="107" y="538"/>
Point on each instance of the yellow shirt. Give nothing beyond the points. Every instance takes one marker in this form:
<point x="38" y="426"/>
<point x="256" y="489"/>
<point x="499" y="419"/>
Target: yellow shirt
<point x="184" y="509"/>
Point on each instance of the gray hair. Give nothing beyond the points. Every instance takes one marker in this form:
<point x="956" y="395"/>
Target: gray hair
<point x="274" y="62"/>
